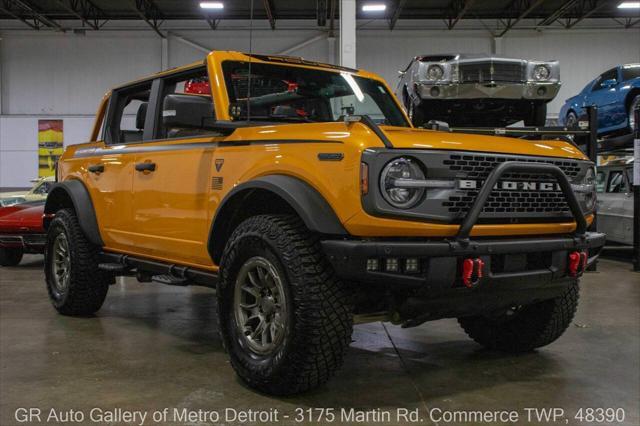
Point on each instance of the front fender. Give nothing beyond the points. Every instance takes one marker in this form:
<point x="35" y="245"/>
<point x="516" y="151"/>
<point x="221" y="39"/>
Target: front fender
<point x="73" y="194"/>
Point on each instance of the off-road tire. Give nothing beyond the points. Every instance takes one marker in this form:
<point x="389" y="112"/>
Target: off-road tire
<point x="319" y="326"/>
<point x="88" y="285"/>
<point x="530" y="327"/>
<point x="10" y="256"/>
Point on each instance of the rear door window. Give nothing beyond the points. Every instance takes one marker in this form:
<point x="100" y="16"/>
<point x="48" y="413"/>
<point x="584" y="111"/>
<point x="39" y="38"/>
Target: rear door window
<point x="185" y="106"/>
<point x="127" y="114"/>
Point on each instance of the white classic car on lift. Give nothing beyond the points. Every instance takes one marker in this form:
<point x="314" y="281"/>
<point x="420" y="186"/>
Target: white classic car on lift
<point x="478" y="90"/>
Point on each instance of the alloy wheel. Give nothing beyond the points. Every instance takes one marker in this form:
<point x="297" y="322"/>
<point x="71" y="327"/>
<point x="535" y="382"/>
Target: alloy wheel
<point x="61" y="263"/>
<point x="260" y="305"/>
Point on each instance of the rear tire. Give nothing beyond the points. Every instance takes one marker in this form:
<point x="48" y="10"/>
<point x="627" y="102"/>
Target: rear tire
<point x="10" y="256"/>
<point x="297" y="291"/>
<point x="529" y="327"/>
<point x="75" y="284"/>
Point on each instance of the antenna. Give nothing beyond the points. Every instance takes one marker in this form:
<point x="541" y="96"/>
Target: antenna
<point x="250" y="58"/>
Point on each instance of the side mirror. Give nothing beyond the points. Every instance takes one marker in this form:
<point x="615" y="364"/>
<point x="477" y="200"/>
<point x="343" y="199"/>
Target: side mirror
<point x="609" y="83"/>
<point x="187" y="111"/>
<point x="401" y="73"/>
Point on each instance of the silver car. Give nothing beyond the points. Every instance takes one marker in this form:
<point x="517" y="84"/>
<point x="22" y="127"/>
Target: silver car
<point x="614" y="185"/>
<point x="478" y="90"/>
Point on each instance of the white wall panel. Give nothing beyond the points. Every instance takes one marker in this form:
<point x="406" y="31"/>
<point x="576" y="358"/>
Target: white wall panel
<point x="54" y="75"/>
<point x="17" y="168"/>
<point x="68" y="74"/>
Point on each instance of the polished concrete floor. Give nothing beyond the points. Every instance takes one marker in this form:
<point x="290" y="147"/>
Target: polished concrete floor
<point x="153" y="347"/>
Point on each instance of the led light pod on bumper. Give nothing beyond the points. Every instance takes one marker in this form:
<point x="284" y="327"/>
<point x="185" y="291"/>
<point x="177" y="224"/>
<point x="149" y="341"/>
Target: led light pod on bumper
<point x="400" y="183"/>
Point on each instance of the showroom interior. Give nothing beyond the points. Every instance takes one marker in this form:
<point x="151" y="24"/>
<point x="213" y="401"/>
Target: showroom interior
<point x="156" y="350"/>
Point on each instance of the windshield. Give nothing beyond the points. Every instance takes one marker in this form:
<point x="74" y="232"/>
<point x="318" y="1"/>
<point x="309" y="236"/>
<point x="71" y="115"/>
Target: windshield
<point x="630" y="72"/>
<point x="296" y="94"/>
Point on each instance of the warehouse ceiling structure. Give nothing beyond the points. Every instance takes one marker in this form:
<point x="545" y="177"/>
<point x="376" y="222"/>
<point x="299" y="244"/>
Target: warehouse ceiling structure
<point x="501" y="15"/>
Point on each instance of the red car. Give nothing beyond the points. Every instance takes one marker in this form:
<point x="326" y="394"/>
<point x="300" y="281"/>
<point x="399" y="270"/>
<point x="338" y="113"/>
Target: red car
<point x="21" y="232"/>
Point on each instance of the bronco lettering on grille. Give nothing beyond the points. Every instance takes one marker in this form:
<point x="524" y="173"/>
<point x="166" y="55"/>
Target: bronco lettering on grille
<point x="511" y="185"/>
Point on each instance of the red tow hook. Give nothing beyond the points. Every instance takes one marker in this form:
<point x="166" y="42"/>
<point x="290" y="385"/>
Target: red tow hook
<point x="472" y="272"/>
<point x="577" y="263"/>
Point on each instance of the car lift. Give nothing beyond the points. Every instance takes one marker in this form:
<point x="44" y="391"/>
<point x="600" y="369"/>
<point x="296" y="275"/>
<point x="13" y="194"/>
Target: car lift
<point x="585" y="137"/>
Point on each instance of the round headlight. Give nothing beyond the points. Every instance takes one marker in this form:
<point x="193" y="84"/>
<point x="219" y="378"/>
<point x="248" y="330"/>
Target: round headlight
<point x="435" y="72"/>
<point x="590" y="177"/>
<point x="589" y="181"/>
<point x="393" y="183"/>
<point x="541" y="72"/>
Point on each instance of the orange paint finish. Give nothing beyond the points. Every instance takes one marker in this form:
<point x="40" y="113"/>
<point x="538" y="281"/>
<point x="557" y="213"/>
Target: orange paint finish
<point x="167" y="214"/>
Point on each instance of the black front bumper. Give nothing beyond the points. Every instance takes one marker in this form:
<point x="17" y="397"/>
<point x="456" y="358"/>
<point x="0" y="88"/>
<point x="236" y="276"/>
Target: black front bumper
<point x="517" y="271"/>
<point x="539" y="259"/>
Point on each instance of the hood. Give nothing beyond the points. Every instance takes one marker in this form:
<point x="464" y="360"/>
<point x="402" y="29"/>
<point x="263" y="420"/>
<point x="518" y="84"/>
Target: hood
<point x="25" y="217"/>
<point x="362" y="137"/>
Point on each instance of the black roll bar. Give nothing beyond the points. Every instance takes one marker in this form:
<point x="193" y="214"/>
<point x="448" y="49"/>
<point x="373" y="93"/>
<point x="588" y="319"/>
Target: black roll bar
<point x="519" y="166"/>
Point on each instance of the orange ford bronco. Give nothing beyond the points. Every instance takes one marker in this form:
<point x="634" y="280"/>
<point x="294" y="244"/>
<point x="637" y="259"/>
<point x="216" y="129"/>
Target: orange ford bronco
<point x="302" y="193"/>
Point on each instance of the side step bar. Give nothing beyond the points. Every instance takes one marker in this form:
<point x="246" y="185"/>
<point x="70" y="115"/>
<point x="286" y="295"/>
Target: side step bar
<point x="160" y="272"/>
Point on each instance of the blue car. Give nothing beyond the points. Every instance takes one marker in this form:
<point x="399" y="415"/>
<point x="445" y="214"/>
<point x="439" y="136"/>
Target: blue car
<point x="615" y="92"/>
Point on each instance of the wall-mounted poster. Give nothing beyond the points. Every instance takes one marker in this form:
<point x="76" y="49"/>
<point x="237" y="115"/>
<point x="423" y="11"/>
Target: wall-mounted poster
<point x="50" y="146"/>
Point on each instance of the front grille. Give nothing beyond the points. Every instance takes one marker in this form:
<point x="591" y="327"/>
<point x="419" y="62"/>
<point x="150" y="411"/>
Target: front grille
<point x="504" y="202"/>
<point x="484" y="72"/>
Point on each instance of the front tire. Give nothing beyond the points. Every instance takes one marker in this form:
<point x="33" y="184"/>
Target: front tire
<point x="284" y="317"/>
<point x="75" y="284"/>
<point x="526" y="327"/>
<point x="10" y="256"/>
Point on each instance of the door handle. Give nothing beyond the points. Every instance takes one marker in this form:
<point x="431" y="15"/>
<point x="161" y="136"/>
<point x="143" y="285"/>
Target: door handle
<point x="96" y="168"/>
<point x="146" y="167"/>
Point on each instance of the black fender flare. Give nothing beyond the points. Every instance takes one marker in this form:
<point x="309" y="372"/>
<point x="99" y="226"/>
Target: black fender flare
<point x="74" y="191"/>
<point x="307" y="202"/>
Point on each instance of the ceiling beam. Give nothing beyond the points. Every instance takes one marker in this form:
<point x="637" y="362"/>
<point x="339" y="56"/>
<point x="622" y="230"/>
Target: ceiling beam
<point x="321" y="12"/>
<point x="213" y="23"/>
<point x="332" y="17"/>
<point x="523" y="8"/>
<point x="84" y="10"/>
<point x="458" y="8"/>
<point x="23" y="10"/>
<point x="396" y="13"/>
<point x="149" y="13"/>
<point x="585" y="9"/>
<point x="631" y="23"/>
<point x="268" y="8"/>
<point x="558" y="13"/>
<point x="5" y="8"/>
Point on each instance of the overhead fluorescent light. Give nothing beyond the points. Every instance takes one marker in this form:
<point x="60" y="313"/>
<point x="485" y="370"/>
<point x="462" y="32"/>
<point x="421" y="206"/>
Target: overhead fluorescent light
<point x="374" y="7"/>
<point x="211" y="5"/>
<point x="629" y="5"/>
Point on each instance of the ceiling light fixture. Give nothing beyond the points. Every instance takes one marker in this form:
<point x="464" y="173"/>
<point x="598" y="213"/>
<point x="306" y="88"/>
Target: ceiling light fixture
<point x="629" y="5"/>
<point x="211" y="5"/>
<point x="374" y="7"/>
